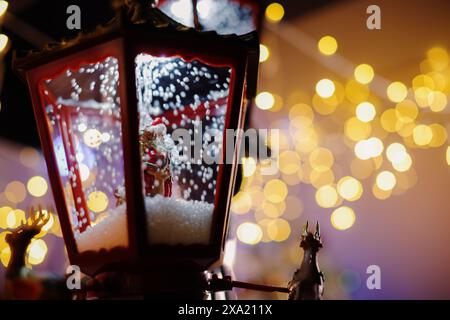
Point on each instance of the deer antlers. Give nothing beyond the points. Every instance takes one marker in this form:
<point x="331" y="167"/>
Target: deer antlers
<point x="38" y="219"/>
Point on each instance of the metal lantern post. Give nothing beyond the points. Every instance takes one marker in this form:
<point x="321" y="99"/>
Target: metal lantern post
<point x="113" y="108"/>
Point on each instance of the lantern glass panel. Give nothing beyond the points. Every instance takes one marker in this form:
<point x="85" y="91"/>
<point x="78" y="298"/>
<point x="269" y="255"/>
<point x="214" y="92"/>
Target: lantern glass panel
<point x="182" y="112"/>
<point x="82" y="106"/>
<point x="223" y="16"/>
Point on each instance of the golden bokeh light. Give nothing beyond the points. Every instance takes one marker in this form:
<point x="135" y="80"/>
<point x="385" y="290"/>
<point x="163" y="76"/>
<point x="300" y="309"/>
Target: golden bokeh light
<point x="406" y="111"/>
<point x="321" y="178"/>
<point x="241" y="203"/>
<point x="278" y="230"/>
<point x="439" y="135"/>
<point x="366" y="112"/>
<point x="396" y="152"/>
<point x="422" y="135"/>
<point x="5" y="256"/>
<point x="327" y="45"/>
<point x="275" y="190"/>
<point x="97" y="201"/>
<point x="4" y="40"/>
<point x="264" y="53"/>
<point x="361" y="169"/>
<point x="325" y="88"/>
<point x="289" y="162"/>
<point x="437" y="101"/>
<point x="248" y="166"/>
<point x="274" y="12"/>
<point x="343" y="218"/>
<point x="448" y="155"/>
<point x="364" y="73"/>
<point x="15" y="192"/>
<point x="327" y="196"/>
<point x="389" y="120"/>
<point x="321" y="159"/>
<point x="397" y="92"/>
<point x="37" y="186"/>
<point x="381" y="194"/>
<point x="265" y="100"/>
<point x="403" y="165"/>
<point x="356" y="92"/>
<point x="421" y="95"/>
<point x="249" y="233"/>
<point x="349" y="188"/>
<point x="386" y="180"/>
<point x="302" y="112"/>
<point x="356" y="129"/>
<point x="4" y="212"/>
<point x="3" y="7"/>
<point x="438" y="58"/>
<point x="15" y="218"/>
<point x="37" y="250"/>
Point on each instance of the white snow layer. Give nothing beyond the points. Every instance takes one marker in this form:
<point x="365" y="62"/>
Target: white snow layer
<point x="169" y="221"/>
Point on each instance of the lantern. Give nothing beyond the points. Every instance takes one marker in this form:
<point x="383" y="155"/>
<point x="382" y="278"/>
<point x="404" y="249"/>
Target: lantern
<point x="223" y="16"/>
<point x="117" y="110"/>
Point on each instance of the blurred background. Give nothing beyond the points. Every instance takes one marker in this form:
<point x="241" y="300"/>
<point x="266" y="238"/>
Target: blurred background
<point x="363" y="118"/>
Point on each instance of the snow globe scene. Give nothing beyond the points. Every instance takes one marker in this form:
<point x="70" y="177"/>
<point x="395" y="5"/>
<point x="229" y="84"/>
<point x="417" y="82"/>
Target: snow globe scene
<point x="82" y="106"/>
<point x="182" y="107"/>
<point x="182" y="110"/>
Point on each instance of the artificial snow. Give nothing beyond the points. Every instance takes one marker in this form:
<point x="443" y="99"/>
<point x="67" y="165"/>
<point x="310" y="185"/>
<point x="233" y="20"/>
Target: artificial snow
<point x="169" y="221"/>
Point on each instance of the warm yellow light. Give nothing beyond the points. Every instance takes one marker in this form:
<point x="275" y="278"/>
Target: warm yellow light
<point x="327" y="196"/>
<point x="92" y="138"/>
<point x="364" y="73"/>
<point x="325" y="88"/>
<point x="278" y="230"/>
<point x="289" y="162"/>
<point x="421" y="95"/>
<point x="37" y="251"/>
<point x="381" y="194"/>
<point x="264" y="53"/>
<point x="403" y="165"/>
<point x="4" y="212"/>
<point x="386" y="180"/>
<point x="321" y="178"/>
<point x="248" y="166"/>
<point x="3" y="7"/>
<point x="439" y="135"/>
<point x="423" y="80"/>
<point x="389" y="120"/>
<point x="5" y="256"/>
<point x="97" y="201"/>
<point x="37" y="186"/>
<point x="15" y="218"/>
<point x="366" y="112"/>
<point x="249" y="233"/>
<point x="437" y="101"/>
<point x="265" y="100"/>
<point x="397" y="92"/>
<point x="274" y="12"/>
<point x="350" y="188"/>
<point x="321" y="159"/>
<point x="356" y="129"/>
<point x="327" y="45"/>
<point x="3" y="42"/>
<point x="375" y="147"/>
<point x="396" y="152"/>
<point x="301" y="115"/>
<point x="241" y="203"/>
<point x="406" y="111"/>
<point x="422" y="135"/>
<point x="448" y="155"/>
<point x="438" y="58"/>
<point x="362" y="150"/>
<point x="356" y="92"/>
<point x="275" y="190"/>
<point x="343" y="218"/>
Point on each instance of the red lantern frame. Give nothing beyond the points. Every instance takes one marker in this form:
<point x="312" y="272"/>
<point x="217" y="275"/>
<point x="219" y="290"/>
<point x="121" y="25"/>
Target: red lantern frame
<point x="124" y="39"/>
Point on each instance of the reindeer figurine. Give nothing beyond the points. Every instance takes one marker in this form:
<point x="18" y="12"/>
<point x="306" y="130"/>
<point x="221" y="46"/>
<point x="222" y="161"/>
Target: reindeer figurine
<point x="21" y="282"/>
<point x="307" y="282"/>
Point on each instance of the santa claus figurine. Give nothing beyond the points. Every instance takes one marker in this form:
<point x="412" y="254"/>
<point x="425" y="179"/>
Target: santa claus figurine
<point x="156" y="159"/>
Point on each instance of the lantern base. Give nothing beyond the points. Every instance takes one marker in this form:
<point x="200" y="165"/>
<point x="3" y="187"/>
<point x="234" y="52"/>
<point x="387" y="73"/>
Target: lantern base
<point x="161" y="285"/>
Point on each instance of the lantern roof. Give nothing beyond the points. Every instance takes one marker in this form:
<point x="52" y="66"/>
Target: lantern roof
<point x="138" y="15"/>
